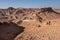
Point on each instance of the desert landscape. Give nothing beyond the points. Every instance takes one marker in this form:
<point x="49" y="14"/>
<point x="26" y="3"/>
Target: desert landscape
<point x="30" y="24"/>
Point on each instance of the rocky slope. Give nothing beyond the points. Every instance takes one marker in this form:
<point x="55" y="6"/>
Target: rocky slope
<point x="39" y="23"/>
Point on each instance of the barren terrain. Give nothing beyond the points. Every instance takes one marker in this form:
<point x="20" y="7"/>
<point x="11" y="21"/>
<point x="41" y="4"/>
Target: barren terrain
<point x="29" y="24"/>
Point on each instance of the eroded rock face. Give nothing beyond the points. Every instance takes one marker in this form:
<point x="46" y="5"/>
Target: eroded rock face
<point x="49" y="9"/>
<point x="40" y="24"/>
<point x="8" y="31"/>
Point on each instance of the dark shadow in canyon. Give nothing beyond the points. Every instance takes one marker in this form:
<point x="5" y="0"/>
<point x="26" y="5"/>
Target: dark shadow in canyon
<point x="8" y="31"/>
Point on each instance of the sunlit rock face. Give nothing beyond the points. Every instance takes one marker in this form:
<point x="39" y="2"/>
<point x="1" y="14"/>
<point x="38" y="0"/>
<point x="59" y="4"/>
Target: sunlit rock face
<point x="8" y="31"/>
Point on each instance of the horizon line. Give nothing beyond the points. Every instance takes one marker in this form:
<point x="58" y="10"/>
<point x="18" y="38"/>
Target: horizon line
<point x="29" y="7"/>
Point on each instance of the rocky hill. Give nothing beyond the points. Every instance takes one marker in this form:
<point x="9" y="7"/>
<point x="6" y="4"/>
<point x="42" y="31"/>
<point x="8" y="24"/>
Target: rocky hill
<point x="38" y="23"/>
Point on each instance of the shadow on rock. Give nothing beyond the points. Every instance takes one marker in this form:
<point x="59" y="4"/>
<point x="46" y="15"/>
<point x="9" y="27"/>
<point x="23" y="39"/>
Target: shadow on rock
<point x="8" y="31"/>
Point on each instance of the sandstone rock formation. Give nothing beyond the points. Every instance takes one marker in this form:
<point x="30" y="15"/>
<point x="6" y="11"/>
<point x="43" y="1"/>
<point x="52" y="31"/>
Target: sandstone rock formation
<point x="39" y="23"/>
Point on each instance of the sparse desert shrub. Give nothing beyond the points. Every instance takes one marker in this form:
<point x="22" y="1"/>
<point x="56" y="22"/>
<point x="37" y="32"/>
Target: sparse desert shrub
<point x="49" y="23"/>
<point x="40" y="19"/>
<point x="39" y="25"/>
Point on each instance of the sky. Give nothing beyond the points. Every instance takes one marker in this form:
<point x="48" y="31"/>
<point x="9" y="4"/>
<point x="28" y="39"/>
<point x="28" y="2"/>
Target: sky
<point x="29" y="3"/>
